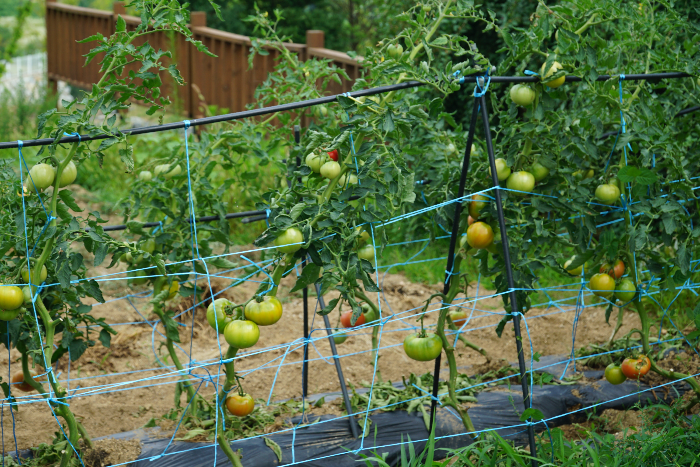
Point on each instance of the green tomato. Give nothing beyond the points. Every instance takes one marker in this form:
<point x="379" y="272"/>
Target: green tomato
<point x="290" y="241"/>
<point x="216" y="314"/>
<point x="573" y="271"/>
<point x="167" y="171"/>
<point x="149" y="246"/>
<point x="553" y="68"/>
<point x="539" y="171"/>
<point x="11" y="297"/>
<point x="241" y="334"/>
<point x="42" y="276"/>
<point x="40" y="176"/>
<point x="614" y="374"/>
<point x="27" y="293"/>
<point x="502" y="169"/>
<point x="314" y="161"/>
<point x="370" y="315"/>
<point x="521" y="181"/>
<point x="146" y="175"/>
<point x="607" y="194"/>
<point x="9" y="315"/>
<point x="522" y="95"/>
<point x="424" y="348"/>
<point x="264" y="313"/>
<point x="625" y="290"/>
<point x="602" y="285"/>
<point x="395" y="51"/>
<point x="366" y="253"/>
<point x="137" y="277"/>
<point x="351" y="178"/>
<point x="330" y="170"/>
<point x="68" y="176"/>
<point x="339" y="336"/>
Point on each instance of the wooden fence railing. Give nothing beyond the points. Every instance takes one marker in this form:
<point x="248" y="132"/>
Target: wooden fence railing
<point x="224" y="80"/>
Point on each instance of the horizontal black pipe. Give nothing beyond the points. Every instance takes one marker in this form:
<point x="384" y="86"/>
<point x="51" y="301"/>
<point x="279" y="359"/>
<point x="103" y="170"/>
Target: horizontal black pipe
<point x="312" y="102"/>
<point x="248" y="220"/>
<point x="232" y="215"/>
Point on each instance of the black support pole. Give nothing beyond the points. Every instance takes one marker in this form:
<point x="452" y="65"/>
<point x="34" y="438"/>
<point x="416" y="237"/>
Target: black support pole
<point x="509" y="276"/>
<point x="453" y="245"/>
<point x="338" y="368"/>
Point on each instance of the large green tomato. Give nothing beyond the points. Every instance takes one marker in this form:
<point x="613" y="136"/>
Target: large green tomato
<point x="42" y="276"/>
<point x="614" y="374"/>
<point x="539" y="171"/>
<point x="395" y="51"/>
<point x="218" y="319"/>
<point x="625" y="290"/>
<point x="502" y="169"/>
<point x="40" y="176"/>
<point x="607" y="194"/>
<point x="146" y="175"/>
<point x="11" y="297"/>
<point x="367" y="253"/>
<point x="370" y="315"/>
<point x="573" y="271"/>
<point x="339" y="336"/>
<point x="314" y="161"/>
<point x="330" y="170"/>
<point x="424" y="348"/>
<point x="290" y="241"/>
<point x="602" y="285"/>
<point x="521" y="181"/>
<point x="264" y="313"/>
<point x="68" y="176"/>
<point x="137" y="277"/>
<point x="553" y="68"/>
<point x="9" y="315"/>
<point x="27" y="293"/>
<point x="351" y="179"/>
<point x="241" y="334"/>
<point x="522" y="95"/>
<point x="163" y="169"/>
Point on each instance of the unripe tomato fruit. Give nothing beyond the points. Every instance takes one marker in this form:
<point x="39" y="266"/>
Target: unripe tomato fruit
<point x="539" y="171"/>
<point x="602" y="285"/>
<point x="27" y="293"/>
<point x="363" y="236"/>
<point x="9" y="315"/>
<point x="554" y="67"/>
<point x="163" y="169"/>
<point x="470" y="220"/>
<point x="633" y="368"/>
<point x="477" y="204"/>
<point x="351" y="178"/>
<point x="11" y="297"/>
<point x="522" y="95"/>
<point x="458" y="317"/>
<point x="149" y="245"/>
<point x="370" y="315"/>
<point x="146" y="175"/>
<point x="314" y="161"/>
<point x="240" y="406"/>
<point x="584" y="174"/>
<point x="345" y="320"/>
<point x="521" y="181"/>
<point x="264" y="313"/>
<point x="218" y="318"/>
<point x="607" y="194"/>
<point x="137" y="277"/>
<point x="40" y="176"/>
<point x="625" y="290"/>
<point x="333" y="155"/>
<point x="614" y="374"/>
<point x="18" y="381"/>
<point x="241" y="334"/>
<point x="616" y="271"/>
<point x="395" y="50"/>
<point x="173" y="290"/>
<point x="68" y="176"/>
<point x="424" y="348"/>
<point x="330" y="170"/>
<point x="42" y="276"/>
<point x="573" y="271"/>
<point x="339" y="336"/>
<point x="502" y="169"/>
<point x="367" y="253"/>
<point x="290" y="241"/>
<point x="479" y="235"/>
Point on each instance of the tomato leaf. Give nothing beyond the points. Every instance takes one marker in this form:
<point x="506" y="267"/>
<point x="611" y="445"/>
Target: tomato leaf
<point x="330" y="307"/>
<point x="532" y="413"/>
<point x="105" y="338"/>
<point x="275" y="448"/>
<point x="695" y="315"/>
<point x="308" y="276"/>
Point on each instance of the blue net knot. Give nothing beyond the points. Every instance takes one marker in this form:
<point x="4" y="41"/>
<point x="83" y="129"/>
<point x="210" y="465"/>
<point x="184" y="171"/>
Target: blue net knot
<point x="531" y="73"/>
<point x="20" y="143"/>
<point x="482" y="90"/>
<point x="187" y="124"/>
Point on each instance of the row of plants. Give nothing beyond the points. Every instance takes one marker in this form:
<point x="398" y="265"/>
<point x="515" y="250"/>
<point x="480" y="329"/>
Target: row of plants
<point x="360" y="161"/>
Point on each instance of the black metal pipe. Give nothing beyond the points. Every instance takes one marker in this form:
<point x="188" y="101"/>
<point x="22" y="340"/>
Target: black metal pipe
<point x="509" y="276"/>
<point x="338" y="368"/>
<point x="248" y="220"/>
<point x="309" y="103"/>
<point x="453" y="246"/>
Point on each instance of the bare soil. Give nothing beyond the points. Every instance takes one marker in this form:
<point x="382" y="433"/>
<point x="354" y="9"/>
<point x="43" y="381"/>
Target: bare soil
<point x="122" y="387"/>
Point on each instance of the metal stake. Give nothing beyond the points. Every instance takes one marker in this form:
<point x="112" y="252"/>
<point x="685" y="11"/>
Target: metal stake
<point x="509" y="276"/>
<point x="453" y="245"/>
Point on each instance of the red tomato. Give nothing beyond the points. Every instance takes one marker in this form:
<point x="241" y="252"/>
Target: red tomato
<point x="479" y="235"/>
<point x="615" y="271"/>
<point x="633" y="368"/>
<point x="470" y="220"/>
<point x="458" y="317"/>
<point x="18" y="381"/>
<point x="347" y="316"/>
<point x="333" y="155"/>
<point x="240" y="406"/>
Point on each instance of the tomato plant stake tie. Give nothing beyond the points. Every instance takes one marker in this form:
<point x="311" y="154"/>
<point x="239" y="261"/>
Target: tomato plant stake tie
<point x="338" y="368"/>
<point x="451" y="253"/>
<point x="509" y="276"/>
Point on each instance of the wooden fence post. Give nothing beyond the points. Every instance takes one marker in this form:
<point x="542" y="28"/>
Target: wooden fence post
<point x="198" y="19"/>
<point x="52" y="82"/>
<point x="119" y="8"/>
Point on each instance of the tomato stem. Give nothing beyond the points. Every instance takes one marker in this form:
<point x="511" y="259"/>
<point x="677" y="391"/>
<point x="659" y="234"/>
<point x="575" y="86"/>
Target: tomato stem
<point x="230" y="380"/>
